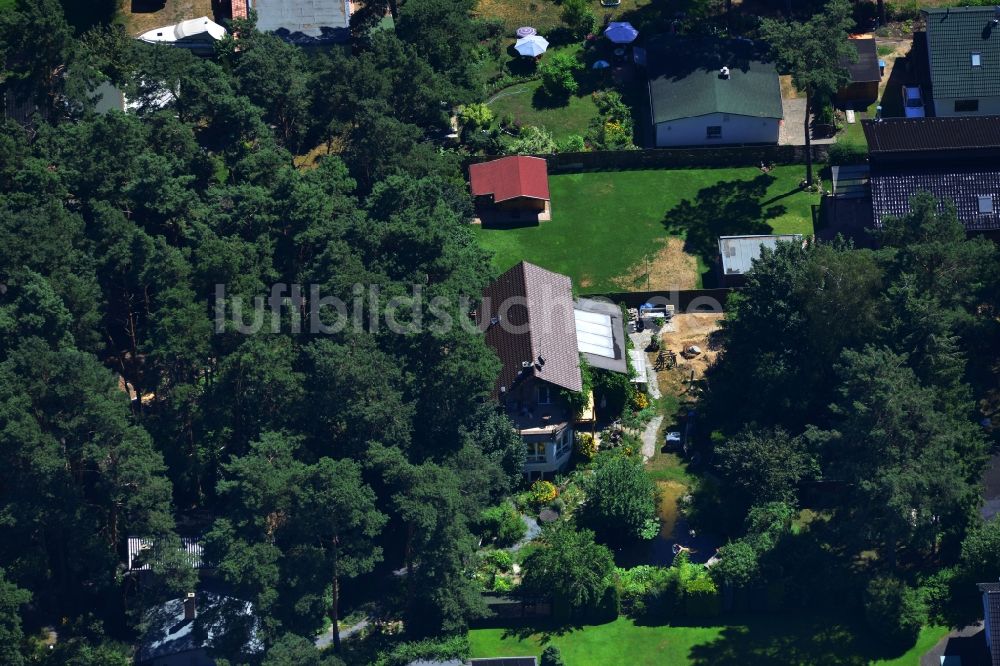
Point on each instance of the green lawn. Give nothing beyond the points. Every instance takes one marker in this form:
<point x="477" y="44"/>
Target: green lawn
<point x="604" y="224"/>
<point x="758" y="640"/>
<point x="524" y="103"/>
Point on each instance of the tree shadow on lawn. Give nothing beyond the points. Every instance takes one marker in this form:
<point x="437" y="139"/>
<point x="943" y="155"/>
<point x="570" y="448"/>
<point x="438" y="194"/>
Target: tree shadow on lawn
<point x="731" y="208"/>
<point x="544" y="631"/>
<point x="765" y="640"/>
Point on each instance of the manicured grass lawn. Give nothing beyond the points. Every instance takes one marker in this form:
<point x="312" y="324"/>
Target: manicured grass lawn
<point x="605" y="223"/>
<point x="766" y="639"/>
<point x="618" y="642"/>
<point x="521" y="102"/>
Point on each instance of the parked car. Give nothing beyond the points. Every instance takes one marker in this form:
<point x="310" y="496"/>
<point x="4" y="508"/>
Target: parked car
<point x="673" y="438"/>
<point x="913" y="102"/>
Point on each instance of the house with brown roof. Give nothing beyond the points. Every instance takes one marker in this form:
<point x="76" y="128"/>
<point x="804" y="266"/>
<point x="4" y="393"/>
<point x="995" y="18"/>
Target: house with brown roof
<point x="532" y="322"/>
<point x="511" y="189"/>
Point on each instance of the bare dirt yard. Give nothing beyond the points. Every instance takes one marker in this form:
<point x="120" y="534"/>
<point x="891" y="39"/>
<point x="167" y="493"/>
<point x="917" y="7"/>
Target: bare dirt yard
<point x="143" y="15"/>
<point x="698" y="329"/>
<point x="670" y="268"/>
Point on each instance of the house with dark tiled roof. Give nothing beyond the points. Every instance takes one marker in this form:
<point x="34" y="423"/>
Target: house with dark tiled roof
<point x="963" y="55"/>
<point x="539" y="332"/>
<point x="955" y="159"/>
<point x="708" y="92"/>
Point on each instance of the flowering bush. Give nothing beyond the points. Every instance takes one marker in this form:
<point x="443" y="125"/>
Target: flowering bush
<point x="640" y="401"/>
<point x="586" y="446"/>
<point x="543" y="492"/>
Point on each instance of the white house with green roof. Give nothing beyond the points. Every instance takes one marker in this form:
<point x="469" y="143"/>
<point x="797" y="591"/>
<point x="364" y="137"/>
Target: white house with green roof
<point x="712" y="92"/>
<point x="963" y="54"/>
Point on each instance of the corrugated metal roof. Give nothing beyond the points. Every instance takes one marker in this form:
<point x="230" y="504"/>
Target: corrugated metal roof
<point x="684" y="80"/>
<point x="892" y="191"/>
<point x="739" y="252"/>
<point x="953" y="35"/>
<point x="139" y="546"/>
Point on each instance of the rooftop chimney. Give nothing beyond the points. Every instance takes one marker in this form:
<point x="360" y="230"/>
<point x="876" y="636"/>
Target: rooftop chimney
<point x="190" y="612"/>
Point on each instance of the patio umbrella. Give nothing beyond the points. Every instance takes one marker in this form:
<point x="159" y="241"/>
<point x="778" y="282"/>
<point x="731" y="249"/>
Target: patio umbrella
<point x="601" y="64"/>
<point x="525" y="31"/>
<point x="621" y="32"/>
<point x="532" y="46"/>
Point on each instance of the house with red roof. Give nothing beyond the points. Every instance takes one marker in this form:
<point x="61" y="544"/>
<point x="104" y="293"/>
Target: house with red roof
<point x="511" y="189"/>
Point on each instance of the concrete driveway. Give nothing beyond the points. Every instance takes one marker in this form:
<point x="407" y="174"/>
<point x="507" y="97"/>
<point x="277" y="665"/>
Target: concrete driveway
<point x="790" y="133"/>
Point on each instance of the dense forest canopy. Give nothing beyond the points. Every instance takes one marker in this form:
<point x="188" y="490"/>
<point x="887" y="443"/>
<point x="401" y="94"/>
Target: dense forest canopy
<point x="134" y="404"/>
<point x="306" y="460"/>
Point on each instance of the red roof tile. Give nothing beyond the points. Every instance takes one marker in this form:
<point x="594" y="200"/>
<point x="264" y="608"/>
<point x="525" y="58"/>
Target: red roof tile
<point x="510" y="178"/>
<point x="239" y="9"/>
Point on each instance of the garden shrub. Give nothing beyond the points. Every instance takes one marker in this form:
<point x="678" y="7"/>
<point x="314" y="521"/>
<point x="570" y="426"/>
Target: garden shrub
<point x="552" y="657"/>
<point x="558" y="73"/>
<point x="640" y="401"/>
<point x="502" y="525"/>
<point x="430" y="649"/>
<point x="701" y="598"/>
<point x="579" y="17"/>
<point x="479" y="116"/>
<point x="621" y="498"/>
<point x="586" y="445"/>
<point x="574" y="143"/>
<point x="543" y="492"/>
<point x="532" y="141"/>
<point x="848" y="153"/>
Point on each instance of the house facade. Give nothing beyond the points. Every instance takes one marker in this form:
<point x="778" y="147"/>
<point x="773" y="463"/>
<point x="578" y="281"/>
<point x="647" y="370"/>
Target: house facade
<point x="712" y="92"/>
<point x="963" y="57"/>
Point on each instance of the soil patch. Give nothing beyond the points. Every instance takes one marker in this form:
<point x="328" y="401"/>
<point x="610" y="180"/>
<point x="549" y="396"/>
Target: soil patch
<point x="670" y="268"/>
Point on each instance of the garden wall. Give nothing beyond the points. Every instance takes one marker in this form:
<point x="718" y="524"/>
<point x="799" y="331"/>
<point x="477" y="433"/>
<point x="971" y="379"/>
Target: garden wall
<point x="676" y="158"/>
<point x="688" y="300"/>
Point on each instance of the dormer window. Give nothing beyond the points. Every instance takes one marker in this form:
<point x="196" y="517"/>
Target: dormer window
<point x="977" y="59"/>
<point x="986" y="205"/>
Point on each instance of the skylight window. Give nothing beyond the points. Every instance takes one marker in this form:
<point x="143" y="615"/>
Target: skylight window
<point x="977" y="60"/>
<point x="986" y="205"/>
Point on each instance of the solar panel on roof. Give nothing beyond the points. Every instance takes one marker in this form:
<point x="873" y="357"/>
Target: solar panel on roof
<point x="593" y="334"/>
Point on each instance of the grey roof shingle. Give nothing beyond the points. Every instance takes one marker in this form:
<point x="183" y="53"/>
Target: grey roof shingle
<point x="952" y="36"/>
<point x="892" y="190"/>
<point x="527" y="314"/>
<point x="684" y="79"/>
